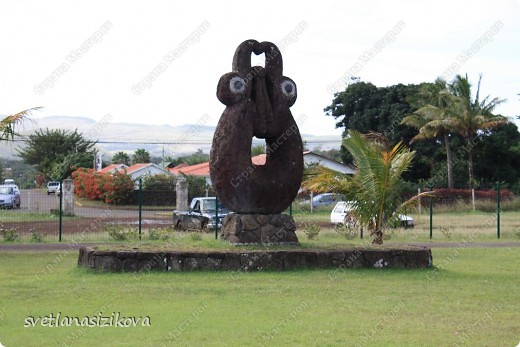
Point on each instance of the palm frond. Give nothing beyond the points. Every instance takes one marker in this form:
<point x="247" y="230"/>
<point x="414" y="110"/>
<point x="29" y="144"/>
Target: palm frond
<point x="9" y="124"/>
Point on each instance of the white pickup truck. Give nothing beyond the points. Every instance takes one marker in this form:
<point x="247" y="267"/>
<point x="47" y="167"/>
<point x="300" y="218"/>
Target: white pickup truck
<point x="201" y="215"/>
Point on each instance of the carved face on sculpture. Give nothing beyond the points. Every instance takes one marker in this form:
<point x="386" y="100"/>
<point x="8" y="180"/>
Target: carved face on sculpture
<point x="258" y="101"/>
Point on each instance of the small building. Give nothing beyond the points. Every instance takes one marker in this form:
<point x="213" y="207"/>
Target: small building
<point x="202" y="169"/>
<point x="136" y="171"/>
<point x="313" y="158"/>
<point x="112" y="168"/>
<point x="143" y="170"/>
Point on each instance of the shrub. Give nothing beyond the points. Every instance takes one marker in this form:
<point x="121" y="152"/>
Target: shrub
<point x="311" y="230"/>
<point x="159" y="234"/>
<point x="118" y="233"/>
<point x="9" y="234"/>
<point x="451" y="195"/>
<point x="197" y="187"/>
<point x="118" y="189"/>
<point x="160" y="182"/>
<point x="348" y="231"/>
<point x="36" y="237"/>
<point x="114" y="188"/>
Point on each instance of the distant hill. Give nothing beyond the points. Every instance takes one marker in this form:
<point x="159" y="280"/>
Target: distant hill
<point x="156" y="139"/>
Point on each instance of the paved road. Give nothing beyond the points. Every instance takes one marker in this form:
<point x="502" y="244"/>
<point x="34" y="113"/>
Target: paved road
<point x="37" y="200"/>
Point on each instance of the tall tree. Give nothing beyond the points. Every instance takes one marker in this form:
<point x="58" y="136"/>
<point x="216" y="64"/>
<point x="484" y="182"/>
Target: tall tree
<point x="472" y="115"/>
<point x="373" y="189"/>
<point x="141" y="155"/>
<point x="497" y="156"/>
<point x="70" y="163"/>
<point x="366" y="108"/>
<point x="47" y="149"/>
<point x="432" y="117"/>
<point x="121" y="158"/>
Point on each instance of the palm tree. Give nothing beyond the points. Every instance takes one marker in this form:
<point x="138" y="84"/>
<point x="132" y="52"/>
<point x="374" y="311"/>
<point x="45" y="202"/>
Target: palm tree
<point x="141" y="155"/>
<point x="121" y="158"/>
<point x="433" y="118"/>
<point x="9" y="123"/>
<point x="472" y="115"/>
<point x="373" y="189"/>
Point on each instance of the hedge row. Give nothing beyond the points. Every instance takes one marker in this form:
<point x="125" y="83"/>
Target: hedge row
<point x="465" y="194"/>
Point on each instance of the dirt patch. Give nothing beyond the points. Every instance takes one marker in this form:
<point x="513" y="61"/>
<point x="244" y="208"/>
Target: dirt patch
<point x="84" y="225"/>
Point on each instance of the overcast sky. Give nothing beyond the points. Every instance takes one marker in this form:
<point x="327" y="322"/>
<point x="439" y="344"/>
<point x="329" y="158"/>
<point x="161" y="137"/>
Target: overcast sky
<point x="158" y="62"/>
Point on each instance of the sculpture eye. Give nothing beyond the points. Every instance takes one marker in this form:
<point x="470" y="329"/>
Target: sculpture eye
<point x="237" y="85"/>
<point x="288" y="88"/>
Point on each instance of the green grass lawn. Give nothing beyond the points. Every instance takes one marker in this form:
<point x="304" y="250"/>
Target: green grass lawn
<point x="471" y="298"/>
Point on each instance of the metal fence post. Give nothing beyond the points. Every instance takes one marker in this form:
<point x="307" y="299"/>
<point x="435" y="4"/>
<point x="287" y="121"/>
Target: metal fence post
<point x="60" y="210"/>
<point x="431" y="212"/>
<point x="140" y="205"/>
<point x="498" y="210"/>
<point x="216" y="217"/>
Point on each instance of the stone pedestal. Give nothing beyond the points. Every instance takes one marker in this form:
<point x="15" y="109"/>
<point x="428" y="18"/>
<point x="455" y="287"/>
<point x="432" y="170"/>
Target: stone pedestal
<point x="271" y="229"/>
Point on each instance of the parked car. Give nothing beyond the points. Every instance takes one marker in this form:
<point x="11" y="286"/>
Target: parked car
<point x="201" y="215"/>
<point x="8" y="181"/>
<point x="340" y="214"/>
<point x="52" y="187"/>
<point x="9" y="196"/>
<point x="326" y="199"/>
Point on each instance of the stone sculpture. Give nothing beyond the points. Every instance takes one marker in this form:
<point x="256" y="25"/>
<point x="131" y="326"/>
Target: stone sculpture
<point x="258" y="101"/>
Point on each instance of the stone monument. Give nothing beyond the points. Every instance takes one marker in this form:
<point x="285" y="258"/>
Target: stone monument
<point x="181" y="189"/>
<point x="67" y="190"/>
<point x="258" y="101"/>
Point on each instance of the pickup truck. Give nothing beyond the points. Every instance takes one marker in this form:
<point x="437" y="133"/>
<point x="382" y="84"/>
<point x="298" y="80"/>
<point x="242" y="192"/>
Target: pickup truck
<point x="200" y="216"/>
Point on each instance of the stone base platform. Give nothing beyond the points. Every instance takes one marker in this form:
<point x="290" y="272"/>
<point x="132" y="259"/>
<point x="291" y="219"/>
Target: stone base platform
<point x="239" y="260"/>
<point x="255" y="229"/>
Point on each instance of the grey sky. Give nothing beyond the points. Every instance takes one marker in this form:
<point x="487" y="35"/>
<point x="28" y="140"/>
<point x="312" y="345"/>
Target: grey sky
<point x="159" y="62"/>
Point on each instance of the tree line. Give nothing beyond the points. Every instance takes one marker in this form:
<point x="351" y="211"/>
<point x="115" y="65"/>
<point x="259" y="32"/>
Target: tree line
<point x="458" y="139"/>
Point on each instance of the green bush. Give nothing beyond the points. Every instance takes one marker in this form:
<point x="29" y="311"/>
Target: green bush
<point x="160" y="182"/>
<point x="160" y="234"/>
<point x="118" y="233"/>
<point x="312" y="230"/>
<point x="347" y="231"/>
<point x="490" y="206"/>
<point x="10" y="234"/>
<point x="197" y="187"/>
<point x="36" y="236"/>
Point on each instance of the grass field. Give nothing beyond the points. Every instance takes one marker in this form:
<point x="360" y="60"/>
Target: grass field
<point x="471" y="298"/>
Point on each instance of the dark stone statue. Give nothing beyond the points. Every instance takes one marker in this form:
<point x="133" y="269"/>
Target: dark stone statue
<point x="258" y="101"/>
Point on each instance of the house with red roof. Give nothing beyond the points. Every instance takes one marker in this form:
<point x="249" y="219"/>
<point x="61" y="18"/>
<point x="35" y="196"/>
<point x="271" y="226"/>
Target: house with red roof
<point x="136" y="171"/>
<point x="202" y="170"/>
<point x="112" y="168"/>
